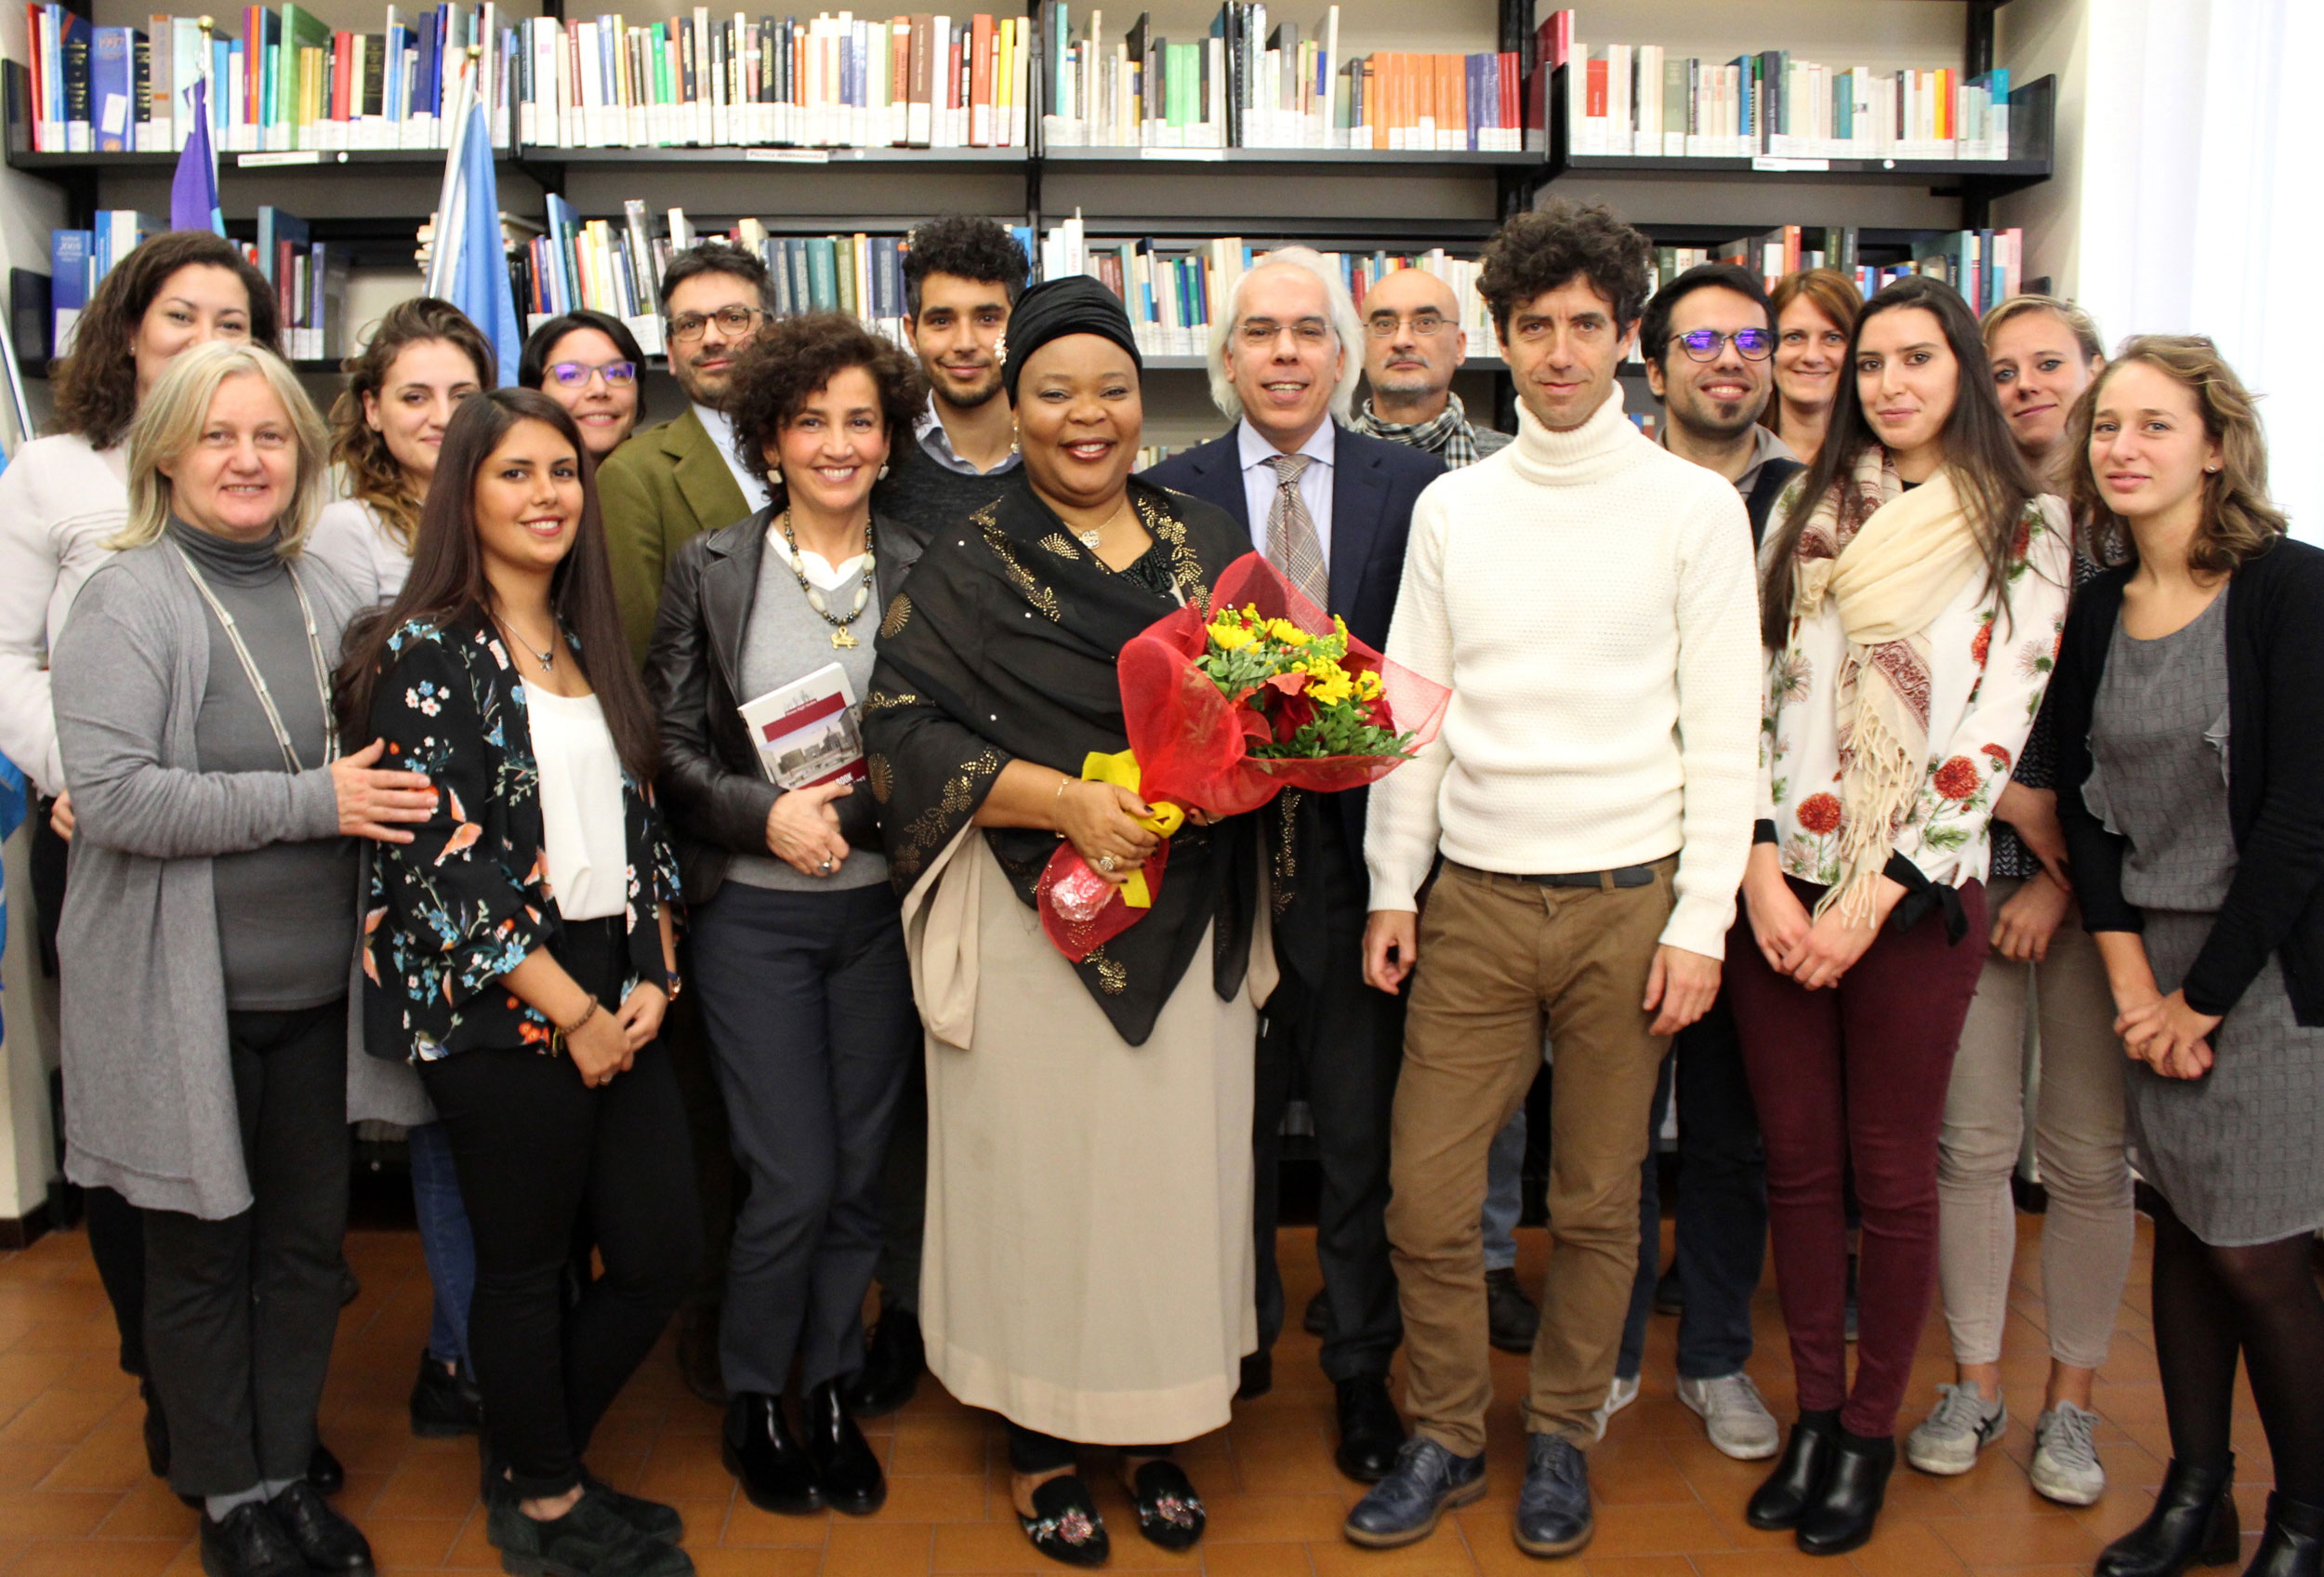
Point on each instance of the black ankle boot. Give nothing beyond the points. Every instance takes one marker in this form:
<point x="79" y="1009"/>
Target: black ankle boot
<point x="768" y="1460"/>
<point x="845" y="1464"/>
<point x="2193" y="1523"/>
<point x="1793" y="1486"/>
<point x="1840" y="1517"/>
<point x="2293" y="1545"/>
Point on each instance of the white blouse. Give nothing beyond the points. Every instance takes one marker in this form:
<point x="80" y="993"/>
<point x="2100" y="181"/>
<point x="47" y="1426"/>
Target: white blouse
<point x="59" y="501"/>
<point x="1987" y="677"/>
<point x="348" y="537"/>
<point x="581" y="814"/>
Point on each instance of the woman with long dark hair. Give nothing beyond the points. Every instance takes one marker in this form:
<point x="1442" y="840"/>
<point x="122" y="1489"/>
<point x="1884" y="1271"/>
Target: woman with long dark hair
<point x="2191" y="784"/>
<point x="589" y="363"/>
<point x="1911" y="598"/>
<point x="521" y="953"/>
<point x="61" y="499"/>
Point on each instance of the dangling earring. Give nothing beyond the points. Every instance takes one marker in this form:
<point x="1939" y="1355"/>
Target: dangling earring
<point x="775" y="476"/>
<point x="883" y="473"/>
<point x="1013" y="438"/>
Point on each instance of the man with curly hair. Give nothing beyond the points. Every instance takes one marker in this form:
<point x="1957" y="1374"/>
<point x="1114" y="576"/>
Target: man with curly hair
<point x="1590" y="796"/>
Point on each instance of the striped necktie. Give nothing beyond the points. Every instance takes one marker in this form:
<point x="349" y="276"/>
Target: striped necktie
<point x="1292" y="544"/>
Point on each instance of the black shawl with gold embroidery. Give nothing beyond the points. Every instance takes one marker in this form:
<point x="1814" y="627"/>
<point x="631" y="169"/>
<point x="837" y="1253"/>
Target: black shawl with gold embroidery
<point x="1002" y="645"/>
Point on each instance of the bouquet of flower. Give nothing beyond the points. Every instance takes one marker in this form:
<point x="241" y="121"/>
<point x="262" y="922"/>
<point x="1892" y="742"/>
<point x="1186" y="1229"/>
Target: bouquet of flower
<point x="1226" y="707"/>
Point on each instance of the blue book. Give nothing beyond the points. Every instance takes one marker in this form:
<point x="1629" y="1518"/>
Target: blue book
<point x="69" y="255"/>
<point x="276" y="227"/>
<point x="112" y="89"/>
<point x="424" y="101"/>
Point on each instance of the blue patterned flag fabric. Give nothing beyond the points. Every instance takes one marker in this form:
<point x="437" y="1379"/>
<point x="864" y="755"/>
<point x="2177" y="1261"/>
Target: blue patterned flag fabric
<point x="193" y="191"/>
<point x="467" y="266"/>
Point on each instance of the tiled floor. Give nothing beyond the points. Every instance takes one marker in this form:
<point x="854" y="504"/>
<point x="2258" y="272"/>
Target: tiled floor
<point x="75" y="1499"/>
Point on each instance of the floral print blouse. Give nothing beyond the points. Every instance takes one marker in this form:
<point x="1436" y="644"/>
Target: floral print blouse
<point x="462" y="904"/>
<point x="1988" y="676"/>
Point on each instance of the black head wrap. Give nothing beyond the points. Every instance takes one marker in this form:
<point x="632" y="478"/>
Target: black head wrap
<point x="1052" y="309"/>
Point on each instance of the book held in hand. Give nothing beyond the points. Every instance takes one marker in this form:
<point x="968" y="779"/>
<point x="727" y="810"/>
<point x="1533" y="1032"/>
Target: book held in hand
<point x="806" y="731"/>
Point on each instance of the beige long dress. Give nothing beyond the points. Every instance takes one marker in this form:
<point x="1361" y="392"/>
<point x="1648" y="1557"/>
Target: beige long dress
<point x="1087" y="1270"/>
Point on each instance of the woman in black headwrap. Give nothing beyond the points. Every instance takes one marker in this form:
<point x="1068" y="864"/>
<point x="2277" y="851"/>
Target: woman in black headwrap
<point x="1089" y="1252"/>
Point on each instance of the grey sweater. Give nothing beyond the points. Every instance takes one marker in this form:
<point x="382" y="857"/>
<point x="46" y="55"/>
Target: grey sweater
<point x="150" y="1106"/>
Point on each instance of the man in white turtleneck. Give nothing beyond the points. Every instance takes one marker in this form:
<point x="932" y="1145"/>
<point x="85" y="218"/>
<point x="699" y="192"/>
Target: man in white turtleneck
<point x="1589" y="598"/>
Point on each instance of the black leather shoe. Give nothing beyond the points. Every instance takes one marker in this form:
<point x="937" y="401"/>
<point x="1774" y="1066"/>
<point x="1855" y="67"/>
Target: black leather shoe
<point x="2293" y="1544"/>
<point x="1553" y="1508"/>
<point x="250" y="1543"/>
<point x="1370" y="1433"/>
<point x="1169" y="1513"/>
<point x="1787" y="1492"/>
<point x="1316" y="1322"/>
<point x="157" y="1430"/>
<point x="324" y="1473"/>
<point x="1259" y="1376"/>
<point x="892" y="1367"/>
<point x="768" y="1461"/>
<point x="589" y="1540"/>
<point x="327" y="1541"/>
<point x="444" y="1401"/>
<point x="1065" y="1525"/>
<point x="650" y="1518"/>
<point x="1669" y="1296"/>
<point x="1840" y="1517"/>
<point x="1403" y="1508"/>
<point x="845" y="1464"/>
<point x="1511" y="1319"/>
<point x="2193" y="1523"/>
<point x="698" y="1352"/>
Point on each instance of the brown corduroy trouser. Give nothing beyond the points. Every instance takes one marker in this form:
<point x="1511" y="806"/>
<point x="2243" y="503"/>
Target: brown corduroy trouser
<point x="1498" y="957"/>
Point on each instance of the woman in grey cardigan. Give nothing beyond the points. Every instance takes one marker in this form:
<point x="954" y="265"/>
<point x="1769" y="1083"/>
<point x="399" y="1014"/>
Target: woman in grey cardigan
<point x="214" y="893"/>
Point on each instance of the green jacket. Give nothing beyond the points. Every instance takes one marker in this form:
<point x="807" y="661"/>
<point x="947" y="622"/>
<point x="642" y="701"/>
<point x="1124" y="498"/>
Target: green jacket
<point x="666" y="484"/>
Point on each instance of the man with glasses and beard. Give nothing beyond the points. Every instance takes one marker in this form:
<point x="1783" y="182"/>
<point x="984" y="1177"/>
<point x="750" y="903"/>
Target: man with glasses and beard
<point x="1413" y="344"/>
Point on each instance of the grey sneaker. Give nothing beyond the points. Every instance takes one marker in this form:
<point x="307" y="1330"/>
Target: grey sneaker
<point x="1619" y="1395"/>
<point x="1948" y="1440"/>
<point x="2066" y="1467"/>
<point x="1733" y="1415"/>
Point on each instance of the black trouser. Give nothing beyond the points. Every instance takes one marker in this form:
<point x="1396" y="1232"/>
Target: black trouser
<point x="1032" y="1451"/>
<point x="1722" y="1229"/>
<point x="904" y="1197"/>
<point x="1348" y="1039"/>
<point x="537" y="1148"/>
<point x="718" y="1182"/>
<point x="240" y="1312"/>
<point x="808" y="1001"/>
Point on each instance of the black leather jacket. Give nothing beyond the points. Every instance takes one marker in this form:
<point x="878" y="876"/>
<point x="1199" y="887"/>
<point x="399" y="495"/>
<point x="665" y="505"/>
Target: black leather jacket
<point x="714" y="795"/>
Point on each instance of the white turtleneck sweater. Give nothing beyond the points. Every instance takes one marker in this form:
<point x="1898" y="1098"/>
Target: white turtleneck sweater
<point x="1589" y="598"/>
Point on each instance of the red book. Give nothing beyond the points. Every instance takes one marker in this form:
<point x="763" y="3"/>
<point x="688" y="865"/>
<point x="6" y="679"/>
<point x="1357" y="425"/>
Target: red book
<point x="1596" y="104"/>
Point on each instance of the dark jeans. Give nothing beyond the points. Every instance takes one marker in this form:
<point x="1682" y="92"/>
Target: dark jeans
<point x="1722" y="1236"/>
<point x="537" y="1150"/>
<point x="444" y="1240"/>
<point x="904" y="1197"/>
<point x="1856" y="1076"/>
<point x="1348" y="1039"/>
<point x="718" y="1182"/>
<point x="808" y="1001"/>
<point x="240" y="1313"/>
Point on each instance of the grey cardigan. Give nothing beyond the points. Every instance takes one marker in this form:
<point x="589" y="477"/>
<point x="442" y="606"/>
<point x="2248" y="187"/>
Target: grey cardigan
<point x="149" y="1107"/>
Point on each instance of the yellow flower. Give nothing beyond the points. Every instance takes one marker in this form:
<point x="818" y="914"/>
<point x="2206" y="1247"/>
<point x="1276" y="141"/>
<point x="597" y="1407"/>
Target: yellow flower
<point x="1291" y="634"/>
<point x="1367" y="685"/>
<point x="1332" y="689"/>
<point x="1231" y="637"/>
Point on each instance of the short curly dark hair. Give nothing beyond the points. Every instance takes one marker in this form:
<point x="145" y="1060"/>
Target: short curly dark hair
<point x="717" y="257"/>
<point x="965" y="247"/>
<point x="793" y="359"/>
<point x="1537" y="252"/>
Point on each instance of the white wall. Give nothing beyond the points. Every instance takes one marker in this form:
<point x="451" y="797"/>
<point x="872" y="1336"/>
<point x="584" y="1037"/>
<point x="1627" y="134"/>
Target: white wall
<point x="2037" y="38"/>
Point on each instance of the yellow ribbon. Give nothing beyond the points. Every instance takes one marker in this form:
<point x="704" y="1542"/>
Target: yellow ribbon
<point x="1121" y="770"/>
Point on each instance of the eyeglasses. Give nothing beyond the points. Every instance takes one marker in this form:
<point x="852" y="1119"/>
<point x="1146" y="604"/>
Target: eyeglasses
<point x="1266" y="331"/>
<point x="1424" y="326"/>
<point x="730" y="319"/>
<point x="577" y="375"/>
<point x="1702" y="344"/>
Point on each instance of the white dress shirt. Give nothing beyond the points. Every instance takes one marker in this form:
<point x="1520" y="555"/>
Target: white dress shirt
<point x="720" y="427"/>
<point x="1260" y="484"/>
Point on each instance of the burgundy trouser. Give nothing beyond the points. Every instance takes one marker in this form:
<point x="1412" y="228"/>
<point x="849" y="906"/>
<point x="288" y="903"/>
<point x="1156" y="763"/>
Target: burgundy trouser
<point x="1856" y="1075"/>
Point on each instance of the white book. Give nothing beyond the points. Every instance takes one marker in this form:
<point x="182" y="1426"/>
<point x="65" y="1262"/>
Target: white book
<point x="806" y="731"/>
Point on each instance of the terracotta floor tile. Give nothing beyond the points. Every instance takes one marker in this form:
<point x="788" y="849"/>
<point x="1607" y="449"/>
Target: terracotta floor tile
<point x="23" y="1466"/>
<point x="958" y="1497"/>
<point x="66" y="1416"/>
<point x="997" y="1546"/>
<point x="150" y="1511"/>
<point x="757" y="1563"/>
<point x="1632" y="1566"/>
<point x="1257" y="1560"/>
<point x="401" y="1543"/>
<point x="2039" y="1540"/>
<point x="112" y="1457"/>
<point x="1760" y="1563"/>
<point x="53" y="1514"/>
<point x="99" y="1558"/>
<point x="1658" y="1530"/>
<point x="1904" y="1547"/>
<point x="877" y="1549"/>
<point x="746" y="1525"/>
<point x="1244" y="1517"/>
<point x="1443" y="1553"/>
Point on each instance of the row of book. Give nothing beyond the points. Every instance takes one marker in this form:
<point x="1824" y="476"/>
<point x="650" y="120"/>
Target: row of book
<point x="310" y="279"/>
<point x="1643" y="100"/>
<point x="923" y="80"/>
<point x="1250" y="81"/>
<point x="1985" y="266"/>
<point x="289" y="82"/>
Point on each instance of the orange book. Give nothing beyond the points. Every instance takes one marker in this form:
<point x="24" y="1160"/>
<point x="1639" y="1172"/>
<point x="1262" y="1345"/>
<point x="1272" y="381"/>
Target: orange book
<point x="981" y="80"/>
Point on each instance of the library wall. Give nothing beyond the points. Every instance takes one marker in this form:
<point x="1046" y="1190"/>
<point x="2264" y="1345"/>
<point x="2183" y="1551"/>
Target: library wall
<point x="2051" y="38"/>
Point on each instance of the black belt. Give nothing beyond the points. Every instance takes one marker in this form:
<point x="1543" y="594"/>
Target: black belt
<point x="1625" y="875"/>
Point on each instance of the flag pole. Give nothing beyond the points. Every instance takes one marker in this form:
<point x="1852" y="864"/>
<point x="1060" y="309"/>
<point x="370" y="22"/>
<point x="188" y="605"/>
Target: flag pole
<point x="452" y="196"/>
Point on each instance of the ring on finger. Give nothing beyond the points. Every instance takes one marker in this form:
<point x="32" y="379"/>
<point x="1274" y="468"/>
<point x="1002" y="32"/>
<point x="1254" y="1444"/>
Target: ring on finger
<point x="1108" y="864"/>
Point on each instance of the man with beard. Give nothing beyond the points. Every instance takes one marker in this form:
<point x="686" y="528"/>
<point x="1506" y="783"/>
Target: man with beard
<point x="682" y="477"/>
<point x="1708" y="337"/>
<point x="962" y="275"/>
<point x="1413" y="344"/>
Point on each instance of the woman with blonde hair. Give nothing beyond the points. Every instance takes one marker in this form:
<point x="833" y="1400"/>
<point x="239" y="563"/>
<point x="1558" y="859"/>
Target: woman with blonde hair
<point x="1815" y="311"/>
<point x="2191" y="783"/>
<point x="208" y="941"/>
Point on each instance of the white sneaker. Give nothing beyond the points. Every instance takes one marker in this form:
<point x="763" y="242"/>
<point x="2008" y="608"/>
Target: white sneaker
<point x="1618" y="1396"/>
<point x="2066" y="1467"/>
<point x="1733" y="1415"/>
<point x="1948" y="1440"/>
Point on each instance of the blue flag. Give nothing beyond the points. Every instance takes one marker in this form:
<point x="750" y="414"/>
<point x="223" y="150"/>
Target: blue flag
<point x="467" y="267"/>
<point x="14" y="802"/>
<point x="193" y="191"/>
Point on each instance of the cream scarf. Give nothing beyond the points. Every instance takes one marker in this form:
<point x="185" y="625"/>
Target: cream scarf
<point x="1890" y="561"/>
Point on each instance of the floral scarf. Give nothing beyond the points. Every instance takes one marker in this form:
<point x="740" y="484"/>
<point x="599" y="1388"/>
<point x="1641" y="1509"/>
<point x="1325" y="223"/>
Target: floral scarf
<point x="1890" y="561"/>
